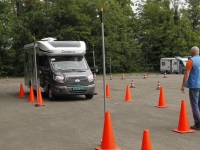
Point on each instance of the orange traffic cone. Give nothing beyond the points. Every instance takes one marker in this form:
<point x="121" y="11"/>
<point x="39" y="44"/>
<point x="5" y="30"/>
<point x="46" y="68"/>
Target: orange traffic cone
<point x="158" y="87"/>
<point x="161" y="102"/>
<point x="21" y="91"/>
<point x="7" y="79"/>
<point x="122" y="77"/>
<point x="108" y="91"/>
<point x="39" y="100"/>
<point x="132" y="84"/>
<point x="165" y="76"/>
<point x="31" y="95"/>
<point x="128" y="97"/>
<point x="145" y="76"/>
<point x="183" y="126"/>
<point x="108" y="139"/>
<point x="146" y="141"/>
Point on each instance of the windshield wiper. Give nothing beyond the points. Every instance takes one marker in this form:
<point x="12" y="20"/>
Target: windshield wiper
<point x="80" y="70"/>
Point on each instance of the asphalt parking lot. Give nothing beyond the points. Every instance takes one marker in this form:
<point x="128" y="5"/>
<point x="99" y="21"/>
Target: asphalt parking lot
<point x="75" y="123"/>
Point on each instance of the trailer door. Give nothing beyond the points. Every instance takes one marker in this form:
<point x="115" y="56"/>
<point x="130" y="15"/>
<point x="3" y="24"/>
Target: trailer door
<point x="171" y="67"/>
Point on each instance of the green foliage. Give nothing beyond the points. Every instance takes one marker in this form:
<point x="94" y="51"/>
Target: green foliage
<point x="166" y="32"/>
<point x="133" y="41"/>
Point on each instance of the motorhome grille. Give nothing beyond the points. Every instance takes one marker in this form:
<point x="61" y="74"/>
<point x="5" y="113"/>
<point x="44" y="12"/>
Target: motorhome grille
<point x="76" y="81"/>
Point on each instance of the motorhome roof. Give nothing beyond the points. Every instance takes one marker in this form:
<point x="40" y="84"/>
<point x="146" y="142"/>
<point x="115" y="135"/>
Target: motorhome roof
<point x="181" y="59"/>
<point x="50" y="47"/>
<point x="65" y="43"/>
<point x="167" y="58"/>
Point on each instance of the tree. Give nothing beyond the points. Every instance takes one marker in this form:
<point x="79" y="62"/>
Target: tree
<point x="165" y="31"/>
<point x="6" y="40"/>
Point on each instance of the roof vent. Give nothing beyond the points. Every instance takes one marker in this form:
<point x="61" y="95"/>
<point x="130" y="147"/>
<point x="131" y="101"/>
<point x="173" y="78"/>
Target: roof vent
<point x="48" y="39"/>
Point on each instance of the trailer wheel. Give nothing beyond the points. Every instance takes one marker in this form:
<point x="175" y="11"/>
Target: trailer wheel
<point x="51" y="96"/>
<point x="89" y="96"/>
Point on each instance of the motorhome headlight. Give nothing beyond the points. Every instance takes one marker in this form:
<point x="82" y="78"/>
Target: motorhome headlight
<point x="90" y="78"/>
<point x="58" y="78"/>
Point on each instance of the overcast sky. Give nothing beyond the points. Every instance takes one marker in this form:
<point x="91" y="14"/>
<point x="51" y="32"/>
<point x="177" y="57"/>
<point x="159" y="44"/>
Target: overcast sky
<point x="180" y="2"/>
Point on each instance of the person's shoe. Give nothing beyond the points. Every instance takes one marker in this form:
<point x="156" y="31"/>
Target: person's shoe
<point x="195" y="127"/>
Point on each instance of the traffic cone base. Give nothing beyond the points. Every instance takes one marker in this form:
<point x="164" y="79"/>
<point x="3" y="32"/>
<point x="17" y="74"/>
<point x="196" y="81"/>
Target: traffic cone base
<point x="128" y="100"/>
<point x="99" y="148"/>
<point x="21" y="91"/>
<point x="128" y="97"/>
<point x="162" y="106"/>
<point x="37" y="105"/>
<point x="183" y="125"/>
<point x="188" y="131"/>
<point x="108" y="139"/>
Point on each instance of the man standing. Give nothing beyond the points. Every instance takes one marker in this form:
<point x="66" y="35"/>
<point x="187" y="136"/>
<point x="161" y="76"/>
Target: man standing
<point x="191" y="80"/>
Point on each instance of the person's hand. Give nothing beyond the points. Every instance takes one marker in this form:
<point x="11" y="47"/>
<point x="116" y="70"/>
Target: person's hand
<point x="183" y="89"/>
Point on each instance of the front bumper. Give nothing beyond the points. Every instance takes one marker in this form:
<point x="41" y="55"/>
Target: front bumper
<point x="64" y="90"/>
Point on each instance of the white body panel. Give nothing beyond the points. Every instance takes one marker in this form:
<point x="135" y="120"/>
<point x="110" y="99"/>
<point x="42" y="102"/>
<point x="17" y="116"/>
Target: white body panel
<point x="40" y="72"/>
<point x="176" y="64"/>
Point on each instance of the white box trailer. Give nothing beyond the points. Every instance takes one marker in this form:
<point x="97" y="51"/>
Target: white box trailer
<point x="173" y="65"/>
<point x="58" y="68"/>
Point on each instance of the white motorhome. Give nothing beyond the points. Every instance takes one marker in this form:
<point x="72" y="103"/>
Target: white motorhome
<point x="58" y="68"/>
<point x="175" y="65"/>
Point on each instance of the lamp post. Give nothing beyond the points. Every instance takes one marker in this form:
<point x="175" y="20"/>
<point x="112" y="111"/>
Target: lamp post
<point x="110" y="67"/>
<point x="103" y="53"/>
<point x="93" y="55"/>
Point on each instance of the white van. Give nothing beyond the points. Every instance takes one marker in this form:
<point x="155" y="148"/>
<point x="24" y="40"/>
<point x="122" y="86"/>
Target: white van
<point x="173" y="65"/>
<point x="59" y="68"/>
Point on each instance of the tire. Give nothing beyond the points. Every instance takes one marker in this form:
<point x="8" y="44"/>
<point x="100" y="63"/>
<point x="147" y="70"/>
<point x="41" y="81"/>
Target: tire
<point x="183" y="71"/>
<point x="89" y="96"/>
<point x="51" y="96"/>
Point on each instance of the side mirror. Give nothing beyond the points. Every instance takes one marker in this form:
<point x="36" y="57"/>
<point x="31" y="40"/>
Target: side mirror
<point x="94" y="69"/>
<point x="44" y="71"/>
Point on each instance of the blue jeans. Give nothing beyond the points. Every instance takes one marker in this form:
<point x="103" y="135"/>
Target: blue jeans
<point x="194" y="94"/>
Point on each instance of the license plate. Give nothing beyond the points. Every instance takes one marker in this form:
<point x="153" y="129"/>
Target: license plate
<point x="78" y="88"/>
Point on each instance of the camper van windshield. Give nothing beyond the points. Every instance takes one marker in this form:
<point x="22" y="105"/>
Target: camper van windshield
<point x="68" y="62"/>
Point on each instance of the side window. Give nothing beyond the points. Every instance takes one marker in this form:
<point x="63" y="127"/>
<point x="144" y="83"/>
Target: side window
<point x="41" y="61"/>
<point x="26" y="57"/>
<point x="26" y="60"/>
<point x="33" y="61"/>
<point x="46" y="63"/>
<point x="163" y="63"/>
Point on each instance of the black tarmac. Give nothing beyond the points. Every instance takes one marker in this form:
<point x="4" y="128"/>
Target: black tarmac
<point x="75" y="123"/>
